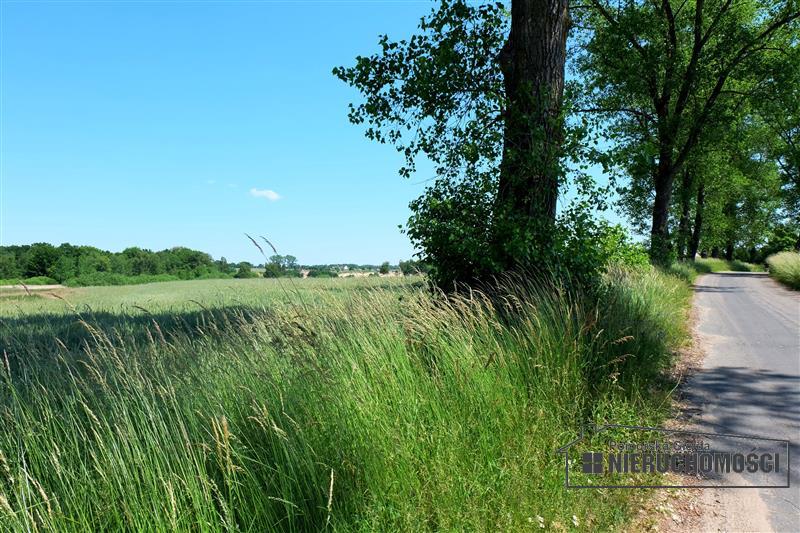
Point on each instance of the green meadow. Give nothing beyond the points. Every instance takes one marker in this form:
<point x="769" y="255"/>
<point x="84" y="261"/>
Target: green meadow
<point x="339" y="404"/>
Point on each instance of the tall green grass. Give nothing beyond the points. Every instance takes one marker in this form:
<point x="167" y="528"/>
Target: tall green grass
<point x="388" y="408"/>
<point x="711" y="264"/>
<point x="785" y="267"/>
<point x="689" y="270"/>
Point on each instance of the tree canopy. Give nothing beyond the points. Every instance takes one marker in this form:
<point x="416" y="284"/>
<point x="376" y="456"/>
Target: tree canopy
<point x="664" y="75"/>
<point x="695" y="102"/>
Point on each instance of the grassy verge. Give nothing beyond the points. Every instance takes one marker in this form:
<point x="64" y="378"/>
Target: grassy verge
<point x="375" y="409"/>
<point x="785" y="267"/>
<point x="689" y="270"/>
<point x="711" y="264"/>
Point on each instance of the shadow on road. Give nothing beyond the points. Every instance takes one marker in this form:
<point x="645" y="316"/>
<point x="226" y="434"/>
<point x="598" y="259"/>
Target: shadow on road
<point x="741" y="274"/>
<point x="738" y="395"/>
<point x="729" y="288"/>
<point x="709" y="288"/>
<point x="734" y="391"/>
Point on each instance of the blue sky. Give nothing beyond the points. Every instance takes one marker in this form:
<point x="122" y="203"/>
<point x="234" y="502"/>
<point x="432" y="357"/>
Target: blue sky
<point x="156" y="124"/>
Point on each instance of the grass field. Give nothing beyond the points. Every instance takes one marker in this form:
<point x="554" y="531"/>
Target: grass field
<point x="350" y="405"/>
<point x="182" y="296"/>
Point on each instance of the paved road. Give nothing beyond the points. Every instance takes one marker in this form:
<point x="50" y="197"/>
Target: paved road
<point x="749" y="383"/>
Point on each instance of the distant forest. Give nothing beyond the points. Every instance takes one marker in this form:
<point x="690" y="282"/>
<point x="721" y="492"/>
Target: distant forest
<point x="43" y="263"/>
<point x="87" y="265"/>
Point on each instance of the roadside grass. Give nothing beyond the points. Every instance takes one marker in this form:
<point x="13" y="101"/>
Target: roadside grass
<point x="684" y="270"/>
<point x="373" y="405"/>
<point x="689" y="270"/>
<point x="785" y="267"/>
<point x="710" y="264"/>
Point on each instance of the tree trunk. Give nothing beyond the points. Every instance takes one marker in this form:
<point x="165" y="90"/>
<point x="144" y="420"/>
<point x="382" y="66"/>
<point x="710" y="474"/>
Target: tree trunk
<point x="684" y="232"/>
<point x="730" y="213"/>
<point x="698" y="221"/>
<point x="660" y="245"/>
<point x="729" y="251"/>
<point x="532" y="62"/>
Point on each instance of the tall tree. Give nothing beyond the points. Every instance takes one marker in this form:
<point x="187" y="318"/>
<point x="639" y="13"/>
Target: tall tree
<point x="778" y="104"/>
<point x="740" y="196"/>
<point x="663" y="69"/>
<point x="532" y="62"/>
<point x="479" y="95"/>
<point x="686" y="189"/>
<point x="697" y="228"/>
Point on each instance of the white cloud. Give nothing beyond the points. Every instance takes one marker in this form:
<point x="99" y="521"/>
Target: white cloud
<point x="265" y="193"/>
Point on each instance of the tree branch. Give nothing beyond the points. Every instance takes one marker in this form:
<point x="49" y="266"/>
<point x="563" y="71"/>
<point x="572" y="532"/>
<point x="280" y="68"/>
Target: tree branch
<point x="651" y="79"/>
<point x="722" y="78"/>
<point x="632" y="111"/>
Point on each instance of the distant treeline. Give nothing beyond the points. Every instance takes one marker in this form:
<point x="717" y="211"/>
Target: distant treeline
<point x="87" y="265"/>
<point x="43" y="263"/>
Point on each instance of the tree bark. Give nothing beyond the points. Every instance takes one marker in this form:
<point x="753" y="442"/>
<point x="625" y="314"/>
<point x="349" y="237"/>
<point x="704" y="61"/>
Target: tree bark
<point x="660" y="244"/>
<point x="684" y="231"/>
<point x="532" y="62"/>
<point x="698" y="221"/>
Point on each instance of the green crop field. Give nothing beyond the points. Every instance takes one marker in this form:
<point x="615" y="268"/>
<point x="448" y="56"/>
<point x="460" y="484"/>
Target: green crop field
<point x="355" y="404"/>
<point x="180" y="296"/>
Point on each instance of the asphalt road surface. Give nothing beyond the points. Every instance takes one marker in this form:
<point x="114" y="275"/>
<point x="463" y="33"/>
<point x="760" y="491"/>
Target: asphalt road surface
<point x="749" y="384"/>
